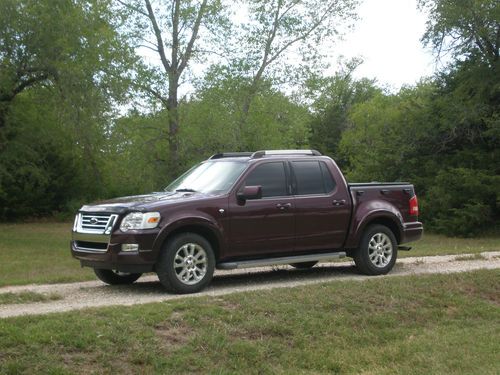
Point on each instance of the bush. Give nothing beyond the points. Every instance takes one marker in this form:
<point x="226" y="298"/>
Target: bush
<point x="462" y="201"/>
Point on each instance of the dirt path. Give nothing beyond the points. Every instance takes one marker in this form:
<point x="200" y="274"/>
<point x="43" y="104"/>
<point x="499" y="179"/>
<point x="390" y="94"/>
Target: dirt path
<point x="147" y="289"/>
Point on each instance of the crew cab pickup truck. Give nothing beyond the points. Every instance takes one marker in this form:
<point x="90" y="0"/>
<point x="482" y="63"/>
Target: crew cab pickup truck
<point x="239" y="210"/>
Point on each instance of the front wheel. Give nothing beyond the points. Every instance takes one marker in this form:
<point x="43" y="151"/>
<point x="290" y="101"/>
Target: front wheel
<point x="187" y="264"/>
<point x="377" y="251"/>
<point x="115" y="277"/>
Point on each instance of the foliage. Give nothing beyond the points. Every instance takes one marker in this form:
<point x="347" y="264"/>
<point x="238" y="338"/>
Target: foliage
<point x="83" y="117"/>
<point x="334" y="99"/>
<point x="465" y="28"/>
<point x="462" y="201"/>
<point x="62" y="65"/>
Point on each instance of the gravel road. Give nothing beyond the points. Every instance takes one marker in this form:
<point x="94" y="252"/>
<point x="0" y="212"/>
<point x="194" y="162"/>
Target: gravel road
<point x="148" y="289"/>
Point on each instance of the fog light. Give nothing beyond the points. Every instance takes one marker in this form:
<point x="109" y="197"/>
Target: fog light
<point x="130" y="247"/>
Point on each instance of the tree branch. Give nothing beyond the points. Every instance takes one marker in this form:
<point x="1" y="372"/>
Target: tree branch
<point x="153" y="92"/>
<point x="305" y="34"/>
<point x="22" y="85"/>
<point x="189" y="49"/>
<point x="135" y="9"/>
<point x="159" y="39"/>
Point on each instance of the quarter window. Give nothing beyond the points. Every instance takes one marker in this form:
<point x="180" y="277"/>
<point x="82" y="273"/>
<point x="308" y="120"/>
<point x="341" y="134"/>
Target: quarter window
<point x="272" y="178"/>
<point x="312" y="177"/>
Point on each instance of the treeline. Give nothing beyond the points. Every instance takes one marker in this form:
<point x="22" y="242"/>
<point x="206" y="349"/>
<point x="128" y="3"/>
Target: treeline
<point x="83" y="116"/>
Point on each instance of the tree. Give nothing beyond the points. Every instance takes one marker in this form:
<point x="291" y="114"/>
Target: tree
<point x="281" y="28"/>
<point x="177" y="29"/>
<point x="333" y="99"/>
<point x="49" y="42"/>
<point x="212" y="117"/>
<point x="62" y="65"/>
<point x="464" y="27"/>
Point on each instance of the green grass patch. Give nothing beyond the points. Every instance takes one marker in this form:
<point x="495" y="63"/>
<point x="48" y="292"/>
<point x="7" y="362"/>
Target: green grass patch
<point x="27" y="297"/>
<point x="39" y="252"/>
<point x="435" y="244"/>
<point x="430" y="324"/>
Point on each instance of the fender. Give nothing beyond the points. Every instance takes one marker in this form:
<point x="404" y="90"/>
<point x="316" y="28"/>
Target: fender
<point x="186" y="221"/>
<point x="369" y="212"/>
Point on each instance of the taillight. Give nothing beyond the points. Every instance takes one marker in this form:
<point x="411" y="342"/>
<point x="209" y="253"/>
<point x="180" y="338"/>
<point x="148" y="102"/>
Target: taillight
<point x="414" y="206"/>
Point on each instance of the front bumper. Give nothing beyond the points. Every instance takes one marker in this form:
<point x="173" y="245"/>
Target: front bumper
<point x="105" y="251"/>
<point x="412" y="232"/>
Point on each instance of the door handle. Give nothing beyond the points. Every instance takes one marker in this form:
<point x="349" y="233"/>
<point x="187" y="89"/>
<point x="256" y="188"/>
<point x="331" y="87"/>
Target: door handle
<point x="339" y="202"/>
<point x="283" y="206"/>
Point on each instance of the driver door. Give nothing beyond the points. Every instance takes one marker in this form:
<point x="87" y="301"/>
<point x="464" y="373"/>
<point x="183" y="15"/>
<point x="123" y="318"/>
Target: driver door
<point x="263" y="226"/>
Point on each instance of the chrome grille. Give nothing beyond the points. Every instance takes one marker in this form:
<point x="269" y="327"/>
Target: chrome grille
<point x="95" y="223"/>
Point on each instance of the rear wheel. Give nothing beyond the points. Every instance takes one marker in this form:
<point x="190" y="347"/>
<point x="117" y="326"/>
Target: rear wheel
<point x="115" y="277"/>
<point x="187" y="264"/>
<point x="377" y="251"/>
<point x="304" y="265"/>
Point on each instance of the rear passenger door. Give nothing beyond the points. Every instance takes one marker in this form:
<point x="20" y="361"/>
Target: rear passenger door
<point x="322" y="207"/>
<point x="263" y="226"/>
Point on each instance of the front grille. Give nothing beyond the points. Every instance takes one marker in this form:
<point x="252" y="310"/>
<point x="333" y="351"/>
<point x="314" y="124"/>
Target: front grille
<point x="95" y="222"/>
<point x="91" y="246"/>
<point x="99" y="223"/>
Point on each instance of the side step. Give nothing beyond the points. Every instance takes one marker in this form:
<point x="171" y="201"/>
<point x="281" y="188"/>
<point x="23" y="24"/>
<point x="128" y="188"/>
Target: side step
<point x="280" y="260"/>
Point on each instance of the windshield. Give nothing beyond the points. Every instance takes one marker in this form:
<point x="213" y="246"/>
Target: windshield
<point x="209" y="177"/>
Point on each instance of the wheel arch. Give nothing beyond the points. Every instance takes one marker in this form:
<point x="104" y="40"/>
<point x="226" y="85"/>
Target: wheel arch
<point x="387" y="222"/>
<point x="386" y="218"/>
<point x="202" y="229"/>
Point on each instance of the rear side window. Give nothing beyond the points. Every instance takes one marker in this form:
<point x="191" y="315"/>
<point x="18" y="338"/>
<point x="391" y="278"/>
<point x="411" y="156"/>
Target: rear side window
<point x="327" y="178"/>
<point x="312" y="177"/>
<point x="272" y="178"/>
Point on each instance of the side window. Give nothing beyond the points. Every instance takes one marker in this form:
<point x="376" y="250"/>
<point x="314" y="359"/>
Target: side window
<point x="327" y="178"/>
<point x="312" y="177"/>
<point x="309" y="177"/>
<point x="272" y="178"/>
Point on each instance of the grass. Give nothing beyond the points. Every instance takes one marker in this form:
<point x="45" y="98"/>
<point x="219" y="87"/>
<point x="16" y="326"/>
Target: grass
<point x="432" y="324"/>
<point x="435" y="244"/>
<point x="39" y="252"/>
<point x="27" y="297"/>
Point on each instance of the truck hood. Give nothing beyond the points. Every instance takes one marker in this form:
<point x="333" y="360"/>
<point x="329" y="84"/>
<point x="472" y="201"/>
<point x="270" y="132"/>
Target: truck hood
<point x="144" y="202"/>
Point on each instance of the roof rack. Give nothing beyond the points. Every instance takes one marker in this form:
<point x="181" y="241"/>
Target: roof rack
<point x="262" y="153"/>
<point x="231" y="155"/>
<point x="259" y="154"/>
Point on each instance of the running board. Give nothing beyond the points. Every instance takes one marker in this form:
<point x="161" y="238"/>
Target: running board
<point x="280" y="260"/>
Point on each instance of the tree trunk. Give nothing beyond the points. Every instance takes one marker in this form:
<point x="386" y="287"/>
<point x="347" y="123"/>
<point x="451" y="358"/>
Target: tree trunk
<point x="173" y="126"/>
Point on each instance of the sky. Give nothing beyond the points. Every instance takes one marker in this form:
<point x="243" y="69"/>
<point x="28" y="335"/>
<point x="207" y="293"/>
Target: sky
<point x="387" y="37"/>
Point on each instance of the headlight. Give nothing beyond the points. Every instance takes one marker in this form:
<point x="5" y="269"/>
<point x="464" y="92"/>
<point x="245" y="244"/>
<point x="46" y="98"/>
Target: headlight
<point x="139" y="220"/>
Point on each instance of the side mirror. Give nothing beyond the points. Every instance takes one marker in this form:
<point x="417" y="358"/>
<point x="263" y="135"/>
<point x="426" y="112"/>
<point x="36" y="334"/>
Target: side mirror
<point x="250" y="192"/>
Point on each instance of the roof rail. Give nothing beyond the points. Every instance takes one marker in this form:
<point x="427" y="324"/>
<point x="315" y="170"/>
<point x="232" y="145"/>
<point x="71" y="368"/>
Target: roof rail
<point x="259" y="154"/>
<point x="230" y="155"/>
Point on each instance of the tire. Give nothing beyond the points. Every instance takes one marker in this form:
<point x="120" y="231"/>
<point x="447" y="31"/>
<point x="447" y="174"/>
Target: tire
<point x="304" y="265"/>
<point x="116" y="278"/>
<point x="377" y="251"/>
<point x="177" y="268"/>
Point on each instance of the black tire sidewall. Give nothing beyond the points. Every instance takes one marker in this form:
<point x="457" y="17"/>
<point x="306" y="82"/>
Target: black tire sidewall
<point x="165" y="266"/>
<point x="362" y="258"/>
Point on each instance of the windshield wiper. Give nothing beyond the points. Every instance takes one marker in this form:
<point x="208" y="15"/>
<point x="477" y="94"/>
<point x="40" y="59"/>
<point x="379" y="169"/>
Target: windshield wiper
<point x="186" y="190"/>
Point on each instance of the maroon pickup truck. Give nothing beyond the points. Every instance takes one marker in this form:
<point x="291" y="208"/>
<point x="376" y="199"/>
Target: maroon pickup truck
<point x="239" y="210"/>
